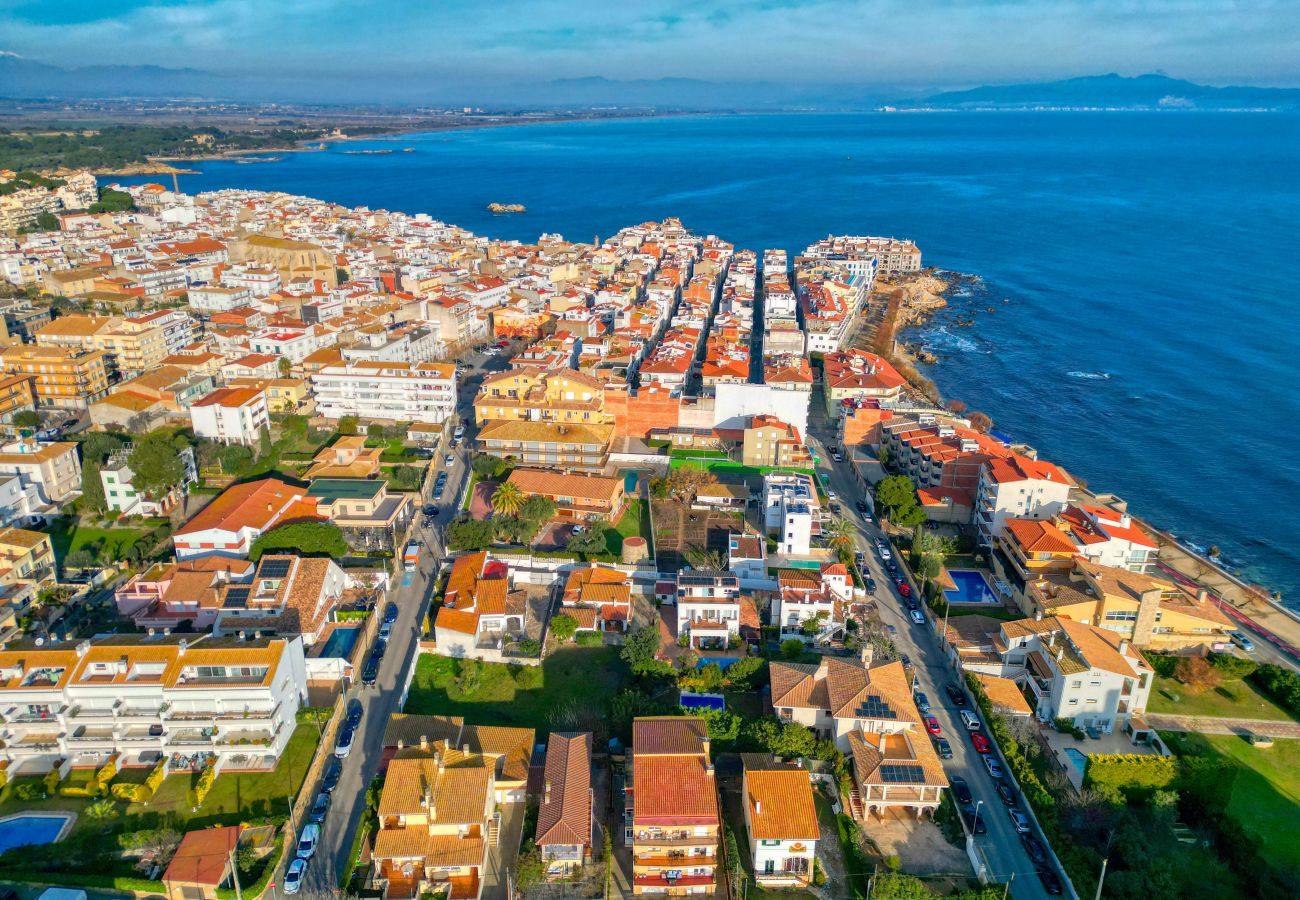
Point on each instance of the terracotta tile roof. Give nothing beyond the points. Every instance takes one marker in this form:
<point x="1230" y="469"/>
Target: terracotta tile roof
<point x="256" y="504"/>
<point x="1004" y="694"/>
<point x="872" y="750"/>
<point x="780" y="802"/>
<point x="1037" y="536"/>
<point x="408" y="729"/>
<point x="512" y="748"/>
<point x="843" y="687"/>
<point x="457" y="784"/>
<point x="564" y="816"/>
<point x="203" y="856"/>
<point x="557" y="484"/>
<point x="668" y="735"/>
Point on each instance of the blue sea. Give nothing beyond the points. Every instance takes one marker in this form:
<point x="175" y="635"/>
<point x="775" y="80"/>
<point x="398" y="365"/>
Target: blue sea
<point x="1140" y="267"/>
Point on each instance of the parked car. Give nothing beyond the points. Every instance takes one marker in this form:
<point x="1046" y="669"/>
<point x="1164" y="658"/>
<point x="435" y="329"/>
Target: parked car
<point x="449" y="460"/>
<point x="918" y="617"/>
<point x="974" y="821"/>
<point x="891" y="629"/>
<point x="293" y="876"/>
<point x="430" y="509"/>
<point x="386" y="630"/>
<point x="922" y="701"/>
<point x="943" y="748"/>
<point x="319" y="808"/>
<point x="343" y="743"/>
<point x="860" y="559"/>
<point x="380" y="648"/>
<point x="438" y="488"/>
<point x="981" y="743"/>
<point x="932" y="725"/>
<point x="1239" y="638"/>
<point x="955" y="694"/>
<point x="458" y="433"/>
<point x="994" y="767"/>
<point x="1005" y="794"/>
<point x="1033" y="846"/>
<point x="1050" y="880"/>
<point x="906" y="661"/>
<point x="333" y="772"/>
<point x="960" y="789"/>
<point x="355" y="711"/>
<point x="871" y="585"/>
<point x="970" y="720"/>
<point x="307" y="843"/>
<point x="503" y="344"/>
<point x="370" y="673"/>
<point x="883" y="549"/>
<point x="861" y="505"/>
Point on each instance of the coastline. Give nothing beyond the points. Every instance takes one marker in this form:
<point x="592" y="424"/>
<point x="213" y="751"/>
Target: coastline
<point x="1254" y="603"/>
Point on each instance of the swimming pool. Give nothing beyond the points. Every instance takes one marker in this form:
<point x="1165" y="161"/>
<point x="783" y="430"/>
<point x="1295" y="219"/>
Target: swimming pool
<point x="1080" y="760"/>
<point x="340" y="643"/>
<point x="972" y="587"/>
<point x="22" y="830"/>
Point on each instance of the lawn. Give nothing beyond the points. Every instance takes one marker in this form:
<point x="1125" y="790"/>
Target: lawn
<point x="1266" y="795"/>
<point x="67" y="536"/>
<point x="237" y="796"/>
<point x="573" y="681"/>
<point x="1233" y="698"/>
<point x="635" y="522"/>
<point x="732" y="471"/>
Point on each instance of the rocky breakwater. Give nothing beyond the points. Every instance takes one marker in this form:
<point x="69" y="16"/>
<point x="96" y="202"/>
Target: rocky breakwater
<point x="500" y="208"/>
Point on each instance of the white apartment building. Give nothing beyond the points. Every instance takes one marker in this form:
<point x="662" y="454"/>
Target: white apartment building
<point x="1017" y="487"/>
<point x="408" y="345"/>
<point x="258" y="281"/>
<point x="1089" y="675"/>
<point x="294" y="344"/>
<point x="422" y="392"/>
<point x="214" y="298"/>
<point x="857" y="253"/>
<point x="790" y="506"/>
<point x="49" y="473"/>
<point x="178" y="328"/>
<point x="231" y="416"/>
<point x="708" y="608"/>
<point x="148" y="699"/>
<point x="121" y="495"/>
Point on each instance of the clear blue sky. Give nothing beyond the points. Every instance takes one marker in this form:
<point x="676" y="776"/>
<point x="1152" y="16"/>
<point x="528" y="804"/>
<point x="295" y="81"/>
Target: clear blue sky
<point x="924" y="43"/>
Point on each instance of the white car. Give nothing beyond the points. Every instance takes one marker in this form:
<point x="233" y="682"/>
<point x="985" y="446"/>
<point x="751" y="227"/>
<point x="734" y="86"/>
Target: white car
<point x="307" y="843"/>
<point x="343" y="743"/>
<point x="450" y="459"/>
<point x="1240" y="639"/>
<point x="293" y="876"/>
<point x="918" y="618"/>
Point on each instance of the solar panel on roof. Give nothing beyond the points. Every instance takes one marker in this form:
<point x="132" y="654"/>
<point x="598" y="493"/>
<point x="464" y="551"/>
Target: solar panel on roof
<point x="236" y="597"/>
<point x="893" y="773"/>
<point x="874" y="707"/>
<point x="274" y="568"/>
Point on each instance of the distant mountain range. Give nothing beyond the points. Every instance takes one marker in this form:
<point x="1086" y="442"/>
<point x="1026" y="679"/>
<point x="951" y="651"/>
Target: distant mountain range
<point x="22" y="78"/>
<point x="1117" y="92"/>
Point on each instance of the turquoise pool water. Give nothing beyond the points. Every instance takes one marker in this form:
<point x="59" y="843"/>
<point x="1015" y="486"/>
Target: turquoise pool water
<point x="21" y="831"/>
<point x="972" y="587"/>
<point x="340" y="643"/>
<point x="1080" y="760"/>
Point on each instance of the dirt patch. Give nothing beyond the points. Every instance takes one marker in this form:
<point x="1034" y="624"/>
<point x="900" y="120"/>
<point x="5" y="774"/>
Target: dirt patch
<point x="678" y="528"/>
<point x="918" y="843"/>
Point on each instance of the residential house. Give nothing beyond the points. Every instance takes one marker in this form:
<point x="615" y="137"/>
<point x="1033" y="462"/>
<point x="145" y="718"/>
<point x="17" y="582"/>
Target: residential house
<point x="479" y="612"/>
<point x="203" y="863"/>
<point x="566" y="822"/>
<point x="780" y="820"/>
<point x="289" y="595"/>
<point x="150" y="698"/>
<point x="708" y="608"/>
<point x="370" y="517"/>
<point x="167" y="594"/>
<point x="347" y="457"/>
<point x="747" y="556"/>
<point x="509" y="750"/>
<point x="1109" y="537"/>
<point x="672" y="815"/>
<point x="599" y="597"/>
<point x="855" y="375"/>
<point x="121" y="494"/>
<point x="870" y="714"/>
<point x="1093" y="677"/>
<point x="49" y="473"/>
<point x="790" y="510"/>
<point x="733" y="497"/>
<point x="239" y="515"/>
<point x="812" y="606"/>
<point x="577" y="497"/>
<point x="231" y="416"/>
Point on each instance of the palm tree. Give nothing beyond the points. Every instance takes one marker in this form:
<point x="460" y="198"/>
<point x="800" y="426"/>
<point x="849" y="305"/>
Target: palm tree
<point x="839" y="533"/>
<point x="507" y="498"/>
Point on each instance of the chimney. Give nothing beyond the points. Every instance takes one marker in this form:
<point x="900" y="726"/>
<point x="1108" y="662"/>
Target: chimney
<point x="1202" y="595"/>
<point x="182" y="647"/>
<point x="1038" y="615"/>
<point x="424" y="743"/>
<point x="1123" y="646"/>
<point x="1060" y="651"/>
<point x="758" y="807"/>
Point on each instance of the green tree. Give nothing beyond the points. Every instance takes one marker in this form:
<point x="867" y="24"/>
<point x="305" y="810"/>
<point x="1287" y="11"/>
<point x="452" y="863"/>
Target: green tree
<point x="79" y="559"/>
<point x="92" y="489"/>
<point x="470" y="534"/>
<point x="896" y="495"/>
<point x="264" y="445"/>
<point x="155" y="465"/>
<point x="840" y="533"/>
<point x="897" y="886"/>
<point x="563" y="627"/>
<point x="792" y="648"/>
<point x="302" y="538"/>
<point x="639" y="652"/>
<point x="507" y="499"/>
<point x="489" y="468"/>
<point x="537" y="509"/>
<point x="589" y="541"/>
<point x="284" y="366"/>
<point x="111" y="201"/>
<point x="705" y="559"/>
<point x="27" y="418"/>
<point x="348" y="424"/>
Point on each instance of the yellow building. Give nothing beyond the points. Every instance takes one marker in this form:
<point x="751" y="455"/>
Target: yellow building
<point x="26" y="558"/>
<point x="1149" y="611"/>
<point x="132" y="347"/>
<point x="529" y="393"/>
<point x="282" y="394"/>
<point x="770" y="442"/>
<point x="15" y="396"/>
<point x="292" y="259"/>
<point x="62" y="378"/>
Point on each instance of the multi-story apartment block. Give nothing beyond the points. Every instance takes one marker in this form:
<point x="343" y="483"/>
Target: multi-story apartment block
<point x="566" y="822"/>
<point x="851" y="375"/>
<point x="780" y="820"/>
<point x="26" y="565"/>
<point x="1091" y="676"/>
<point x="419" y="392"/>
<point x="769" y="442"/>
<point x="1109" y="537"/>
<point x="1017" y="487"/>
<point x="48" y="473"/>
<point x="708" y="608"/>
<point x="132" y="346"/>
<point x="215" y="298"/>
<point x="1150" y="612"/>
<point x="870" y="714"/>
<point x="554" y="445"/>
<point x="790" y="509"/>
<point x="526" y="393"/>
<point x="934" y="454"/>
<point x="231" y="416"/>
<point x="577" y="497"/>
<point x="672" y="814"/>
<point x="16" y="395"/>
<point x="867" y="255"/>
<point x="62" y="378"/>
<point x="148" y="699"/>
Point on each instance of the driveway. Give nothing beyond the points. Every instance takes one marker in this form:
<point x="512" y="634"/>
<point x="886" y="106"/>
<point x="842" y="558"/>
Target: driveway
<point x="502" y="858"/>
<point x="919" y="845"/>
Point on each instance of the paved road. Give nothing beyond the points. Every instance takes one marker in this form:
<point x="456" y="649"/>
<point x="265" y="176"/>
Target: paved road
<point x="413" y="596"/>
<point x="1001" y="847"/>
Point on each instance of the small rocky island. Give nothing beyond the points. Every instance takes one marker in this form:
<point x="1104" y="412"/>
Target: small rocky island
<point x="506" y="208"/>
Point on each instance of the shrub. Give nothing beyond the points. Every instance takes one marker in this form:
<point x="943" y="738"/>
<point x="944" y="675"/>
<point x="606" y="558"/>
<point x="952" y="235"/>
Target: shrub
<point x="590" y="639"/>
<point x="528" y="678"/>
<point x="52" y="780"/>
<point x="1126" y="771"/>
<point x="1233" y="666"/>
<point x="30" y="790"/>
<point x="747" y="672"/>
<point x="206" y="777"/>
<point x="107" y="772"/>
<point x="1281" y="684"/>
<point x="1162" y="664"/>
<point x="529" y="647"/>
<point x="1197" y="674"/>
<point x="563" y="626"/>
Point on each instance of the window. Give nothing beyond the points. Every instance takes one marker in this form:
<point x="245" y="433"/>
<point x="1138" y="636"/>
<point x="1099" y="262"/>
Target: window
<point x="1074" y="702"/>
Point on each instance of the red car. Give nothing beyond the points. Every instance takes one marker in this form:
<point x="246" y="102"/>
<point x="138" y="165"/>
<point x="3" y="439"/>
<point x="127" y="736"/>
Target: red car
<point x="932" y="725"/>
<point x="904" y="589"/>
<point x="503" y="344"/>
<point x="980" y="741"/>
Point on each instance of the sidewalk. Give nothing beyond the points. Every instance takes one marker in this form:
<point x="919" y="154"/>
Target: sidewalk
<point x="1216" y="725"/>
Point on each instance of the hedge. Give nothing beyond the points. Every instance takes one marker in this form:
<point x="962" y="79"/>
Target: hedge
<point x="141" y="793"/>
<point x="1280" y="684"/>
<point x="1125" y="771"/>
<point x="75" y="879"/>
<point x="52" y="781"/>
<point x="206" y="777"/>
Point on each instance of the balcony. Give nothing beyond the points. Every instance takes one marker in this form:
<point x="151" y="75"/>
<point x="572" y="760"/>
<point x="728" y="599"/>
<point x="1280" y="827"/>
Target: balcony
<point x="674" y="839"/>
